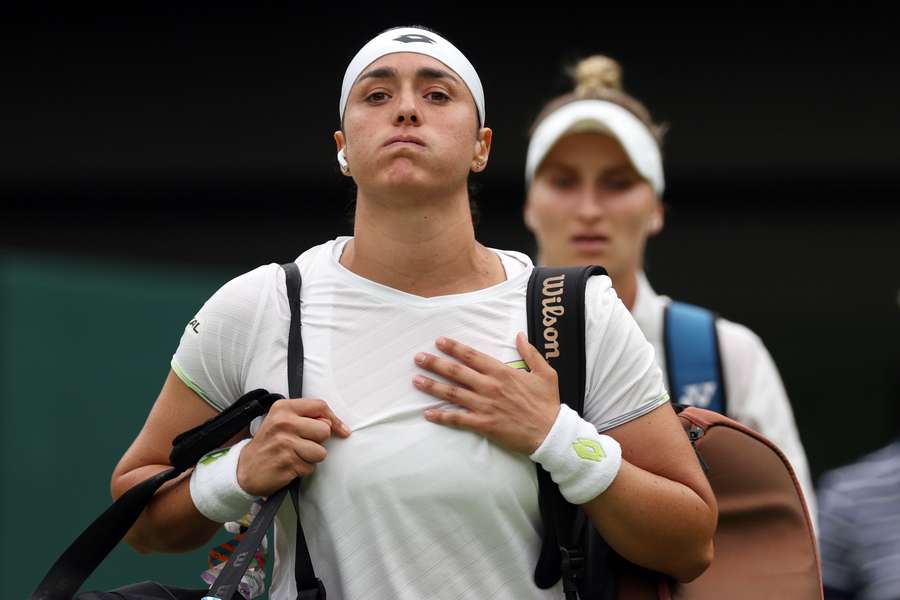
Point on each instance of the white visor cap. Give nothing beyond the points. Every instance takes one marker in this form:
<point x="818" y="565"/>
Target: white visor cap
<point x="417" y="41"/>
<point x="599" y="116"/>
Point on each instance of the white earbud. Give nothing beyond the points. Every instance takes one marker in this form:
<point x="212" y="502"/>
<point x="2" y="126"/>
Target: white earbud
<point x="342" y="160"/>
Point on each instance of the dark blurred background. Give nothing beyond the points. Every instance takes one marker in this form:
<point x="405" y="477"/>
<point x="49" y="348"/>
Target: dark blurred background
<point x="148" y="155"/>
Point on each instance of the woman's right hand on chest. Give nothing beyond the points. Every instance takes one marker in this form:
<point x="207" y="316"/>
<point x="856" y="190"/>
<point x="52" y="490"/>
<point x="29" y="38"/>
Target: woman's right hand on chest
<point x="288" y="445"/>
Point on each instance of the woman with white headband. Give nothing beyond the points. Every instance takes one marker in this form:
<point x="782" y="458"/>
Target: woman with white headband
<point x="419" y="431"/>
<point x="595" y="182"/>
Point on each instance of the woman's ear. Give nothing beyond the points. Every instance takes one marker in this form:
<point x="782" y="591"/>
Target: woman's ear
<point x="341" y="144"/>
<point x="528" y="216"/>
<point x="482" y="149"/>
<point x="657" y="219"/>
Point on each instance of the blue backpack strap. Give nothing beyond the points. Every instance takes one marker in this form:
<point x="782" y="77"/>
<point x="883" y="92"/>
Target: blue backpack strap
<point x="693" y="362"/>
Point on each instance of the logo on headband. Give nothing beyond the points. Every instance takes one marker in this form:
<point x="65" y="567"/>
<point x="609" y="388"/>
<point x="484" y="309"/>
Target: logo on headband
<point x="414" y="37"/>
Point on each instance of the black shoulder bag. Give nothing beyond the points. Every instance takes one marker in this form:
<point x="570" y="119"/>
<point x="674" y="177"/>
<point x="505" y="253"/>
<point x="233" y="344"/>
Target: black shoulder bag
<point x="555" y="309"/>
<point x="86" y="553"/>
<point x="571" y="548"/>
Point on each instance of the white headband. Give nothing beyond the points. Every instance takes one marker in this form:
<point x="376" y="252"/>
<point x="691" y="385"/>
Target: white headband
<point x="603" y="117"/>
<point x="418" y="41"/>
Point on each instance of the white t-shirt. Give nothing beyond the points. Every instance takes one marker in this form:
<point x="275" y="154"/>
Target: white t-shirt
<point x="756" y="395"/>
<point x="405" y="508"/>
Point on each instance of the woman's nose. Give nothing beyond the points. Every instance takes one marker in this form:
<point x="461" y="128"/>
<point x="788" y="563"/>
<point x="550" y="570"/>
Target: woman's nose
<point x="407" y="110"/>
<point x="411" y="116"/>
<point x="590" y="205"/>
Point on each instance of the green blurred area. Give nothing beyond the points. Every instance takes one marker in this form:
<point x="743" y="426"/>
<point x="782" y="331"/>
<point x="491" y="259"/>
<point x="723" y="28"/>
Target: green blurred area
<point x="85" y="349"/>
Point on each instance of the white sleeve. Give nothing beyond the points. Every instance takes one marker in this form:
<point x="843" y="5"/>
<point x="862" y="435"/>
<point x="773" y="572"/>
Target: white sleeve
<point x="217" y="343"/>
<point x="622" y="379"/>
<point x="757" y="398"/>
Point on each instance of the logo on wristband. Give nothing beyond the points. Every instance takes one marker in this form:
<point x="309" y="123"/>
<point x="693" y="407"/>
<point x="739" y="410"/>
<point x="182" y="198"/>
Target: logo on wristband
<point x="213" y="456"/>
<point x="589" y="449"/>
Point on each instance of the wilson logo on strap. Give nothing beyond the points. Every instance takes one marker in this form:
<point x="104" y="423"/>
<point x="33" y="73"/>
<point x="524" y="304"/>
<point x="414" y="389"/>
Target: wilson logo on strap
<point x="552" y="310"/>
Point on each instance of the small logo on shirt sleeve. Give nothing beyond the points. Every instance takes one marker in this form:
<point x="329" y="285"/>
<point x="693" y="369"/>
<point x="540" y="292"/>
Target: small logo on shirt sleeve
<point x="518" y="364"/>
<point x="195" y="325"/>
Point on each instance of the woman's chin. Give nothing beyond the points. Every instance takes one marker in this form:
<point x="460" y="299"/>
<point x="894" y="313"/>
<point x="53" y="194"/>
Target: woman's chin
<point x="404" y="174"/>
<point x="589" y="255"/>
<point x="399" y="185"/>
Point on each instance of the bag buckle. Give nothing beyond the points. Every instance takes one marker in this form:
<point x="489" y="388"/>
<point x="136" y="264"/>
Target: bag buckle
<point x="572" y="567"/>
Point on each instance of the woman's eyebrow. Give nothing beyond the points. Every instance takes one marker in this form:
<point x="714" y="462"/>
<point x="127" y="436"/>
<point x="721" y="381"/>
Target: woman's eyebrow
<point x="430" y="73"/>
<point x="379" y="73"/>
<point x="623" y="169"/>
<point x="563" y="168"/>
<point x="423" y="73"/>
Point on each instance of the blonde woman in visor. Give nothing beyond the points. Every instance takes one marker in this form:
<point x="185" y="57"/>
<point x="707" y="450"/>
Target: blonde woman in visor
<point x="416" y="440"/>
<point x="595" y="184"/>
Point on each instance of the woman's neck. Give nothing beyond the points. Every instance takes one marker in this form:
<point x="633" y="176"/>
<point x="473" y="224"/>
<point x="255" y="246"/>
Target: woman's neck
<point x="626" y="285"/>
<point x="421" y="246"/>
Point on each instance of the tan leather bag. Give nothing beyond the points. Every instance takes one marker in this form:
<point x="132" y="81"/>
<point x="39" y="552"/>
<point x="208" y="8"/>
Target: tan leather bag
<point x="765" y="547"/>
<point x="765" y="544"/>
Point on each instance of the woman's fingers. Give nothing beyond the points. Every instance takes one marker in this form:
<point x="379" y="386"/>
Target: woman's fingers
<point x="469" y="356"/>
<point x="308" y="454"/>
<point x="288" y="444"/>
<point x="451" y="369"/>
<point x="532" y="356"/>
<point x="314" y="408"/>
<point x="506" y="405"/>
<point x="451" y="393"/>
<point x="455" y="418"/>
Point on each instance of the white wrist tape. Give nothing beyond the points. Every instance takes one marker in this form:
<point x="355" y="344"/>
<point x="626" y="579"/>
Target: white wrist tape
<point x="214" y="485"/>
<point x="581" y="461"/>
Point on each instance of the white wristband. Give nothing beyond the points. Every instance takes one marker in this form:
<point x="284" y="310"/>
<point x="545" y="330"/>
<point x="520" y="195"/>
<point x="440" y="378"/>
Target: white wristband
<point x="581" y="461"/>
<point x="214" y="485"/>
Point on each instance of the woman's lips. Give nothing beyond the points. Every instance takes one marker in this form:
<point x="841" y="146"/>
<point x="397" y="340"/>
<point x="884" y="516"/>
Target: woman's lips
<point x="409" y="140"/>
<point x="590" y="244"/>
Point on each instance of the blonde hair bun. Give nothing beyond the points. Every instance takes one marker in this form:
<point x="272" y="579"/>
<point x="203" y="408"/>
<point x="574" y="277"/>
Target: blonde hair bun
<point x="596" y="74"/>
